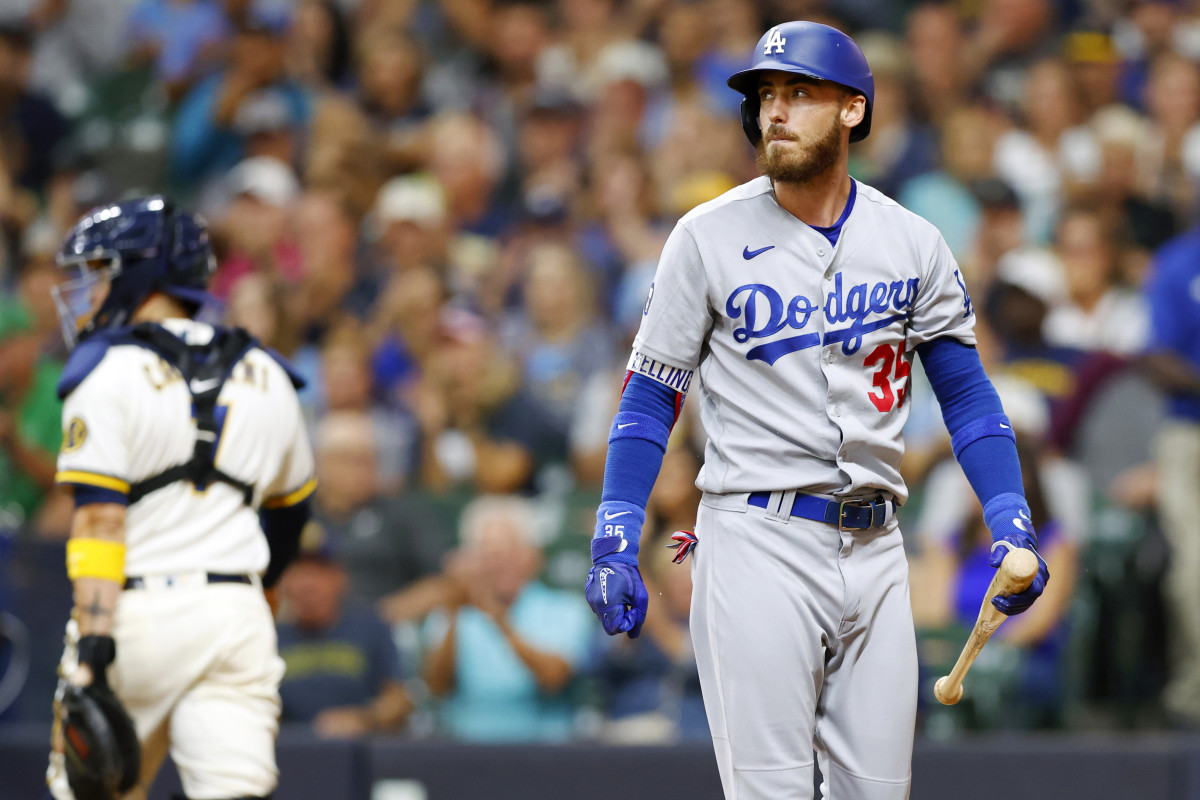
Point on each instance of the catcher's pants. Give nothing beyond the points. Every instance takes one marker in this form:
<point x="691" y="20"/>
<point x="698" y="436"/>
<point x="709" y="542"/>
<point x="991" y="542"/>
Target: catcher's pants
<point x="198" y="670"/>
<point x="1179" y="486"/>
<point x="804" y="640"/>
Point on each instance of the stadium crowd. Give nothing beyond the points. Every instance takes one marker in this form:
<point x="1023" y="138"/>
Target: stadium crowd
<point x="447" y="215"/>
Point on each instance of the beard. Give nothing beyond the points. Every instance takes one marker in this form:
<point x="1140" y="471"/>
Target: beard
<point x="816" y="157"/>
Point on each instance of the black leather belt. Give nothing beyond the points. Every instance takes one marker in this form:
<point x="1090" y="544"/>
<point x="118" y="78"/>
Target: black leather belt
<point x="853" y="514"/>
<point x="134" y="582"/>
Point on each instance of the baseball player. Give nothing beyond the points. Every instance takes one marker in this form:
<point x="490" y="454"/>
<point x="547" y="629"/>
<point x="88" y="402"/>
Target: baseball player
<point x="176" y="434"/>
<point x="795" y="303"/>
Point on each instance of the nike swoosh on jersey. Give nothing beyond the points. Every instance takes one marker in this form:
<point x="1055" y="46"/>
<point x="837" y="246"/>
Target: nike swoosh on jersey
<point x="199" y="387"/>
<point x="608" y="515"/>
<point x="748" y="254"/>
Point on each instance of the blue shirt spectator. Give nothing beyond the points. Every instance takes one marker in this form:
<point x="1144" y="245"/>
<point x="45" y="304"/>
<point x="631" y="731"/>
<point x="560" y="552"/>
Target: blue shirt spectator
<point x="1173" y="292"/>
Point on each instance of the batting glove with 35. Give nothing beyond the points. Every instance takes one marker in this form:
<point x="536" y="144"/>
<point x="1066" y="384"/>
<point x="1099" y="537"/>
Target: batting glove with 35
<point x="1007" y="517"/>
<point x="614" y="588"/>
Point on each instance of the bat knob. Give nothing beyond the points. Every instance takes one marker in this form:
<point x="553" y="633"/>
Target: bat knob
<point x="946" y="694"/>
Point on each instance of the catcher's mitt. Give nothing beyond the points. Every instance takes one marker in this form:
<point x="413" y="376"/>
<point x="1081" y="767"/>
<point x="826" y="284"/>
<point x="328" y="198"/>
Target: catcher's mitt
<point x="103" y="757"/>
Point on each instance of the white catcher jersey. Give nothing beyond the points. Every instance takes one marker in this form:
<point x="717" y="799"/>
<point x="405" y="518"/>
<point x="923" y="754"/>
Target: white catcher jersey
<point x="802" y="349"/>
<point x="131" y="418"/>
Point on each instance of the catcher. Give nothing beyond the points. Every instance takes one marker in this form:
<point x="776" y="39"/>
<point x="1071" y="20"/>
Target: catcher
<point x="185" y="449"/>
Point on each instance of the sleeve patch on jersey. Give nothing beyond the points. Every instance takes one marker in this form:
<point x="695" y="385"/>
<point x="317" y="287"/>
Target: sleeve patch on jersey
<point x="74" y="435"/>
<point x="292" y="498"/>
<point x="92" y="479"/>
<point x="671" y="377"/>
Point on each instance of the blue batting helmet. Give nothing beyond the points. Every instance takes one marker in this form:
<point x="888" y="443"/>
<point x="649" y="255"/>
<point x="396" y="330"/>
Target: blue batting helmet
<point x="142" y="246"/>
<point x="805" y="48"/>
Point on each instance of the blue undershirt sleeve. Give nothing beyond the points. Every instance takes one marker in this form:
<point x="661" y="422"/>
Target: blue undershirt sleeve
<point x="984" y="445"/>
<point x="632" y="465"/>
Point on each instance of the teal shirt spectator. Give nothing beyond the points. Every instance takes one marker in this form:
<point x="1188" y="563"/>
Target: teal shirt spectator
<point x="201" y="148"/>
<point x="948" y="204"/>
<point x="496" y="698"/>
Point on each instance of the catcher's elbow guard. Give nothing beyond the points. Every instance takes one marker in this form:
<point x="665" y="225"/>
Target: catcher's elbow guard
<point x="100" y="745"/>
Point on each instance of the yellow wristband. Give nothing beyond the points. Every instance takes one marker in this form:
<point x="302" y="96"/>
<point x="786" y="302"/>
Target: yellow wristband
<point x="96" y="558"/>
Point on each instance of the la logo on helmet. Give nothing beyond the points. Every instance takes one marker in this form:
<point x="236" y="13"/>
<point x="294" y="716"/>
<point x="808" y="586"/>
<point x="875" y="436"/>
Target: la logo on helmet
<point x="776" y="41"/>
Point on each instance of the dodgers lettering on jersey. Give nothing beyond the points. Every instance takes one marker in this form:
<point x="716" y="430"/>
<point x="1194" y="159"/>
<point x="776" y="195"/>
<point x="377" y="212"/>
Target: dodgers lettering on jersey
<point x="130" y="418"/>
<point x="802" y="348"/>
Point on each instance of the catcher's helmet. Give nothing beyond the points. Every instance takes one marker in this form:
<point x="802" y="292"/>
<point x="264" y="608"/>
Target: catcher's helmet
<point x="805" y="48"/>
<point x="143" y="246"/>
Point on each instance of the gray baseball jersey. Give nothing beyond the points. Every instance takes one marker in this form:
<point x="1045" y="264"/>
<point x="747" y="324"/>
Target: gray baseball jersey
<point x="802" y="348"/>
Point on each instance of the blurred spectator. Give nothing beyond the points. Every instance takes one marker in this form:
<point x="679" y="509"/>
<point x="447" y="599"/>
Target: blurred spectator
<point x="898" y="149"/>
<point x="936" y="42"/>
<point x="346" y="387"/>
<point x="390" y="72"/>
<point x="407" y="328"/>
<point x="206" y="141"/>
<point x="318" y="50"/>
<point x="968" y="136"/>
<point x="385" y="544"/>
<point x="467" y="159"/>
<point x="590" y="29"/>
<point x="1001" y="231"/>
<point x="343" y="671"/>
<point x="480" y="427"/>
<point x="76" y="41"/>
<point x="506" y="647"/>
<point x="324" y="235"/>
<point x="1173" y="103"/>
<point x="735" y="26"/>
<point x="1121" y="189"/>
<point x="412" y="217"/>
<point x="1173" y="362"/>
<point x="1098" y="314"/>
<point x="1028" y="285"/>
<point x="1008" y="37"/>
<point x="1048" y="159"/>
<point x="952" y="573"/>
<point x="1146" y="31"/>
<point x="344" y="158"/>
<point x="558" y="340"/>
<point x="649" y="686"/>
<point x="180" y="37"/>
<point x="254" y="229"/>
<point x="30" y="411"/>
<point x="31" y="128"/>
<point x="1096" y="68"/>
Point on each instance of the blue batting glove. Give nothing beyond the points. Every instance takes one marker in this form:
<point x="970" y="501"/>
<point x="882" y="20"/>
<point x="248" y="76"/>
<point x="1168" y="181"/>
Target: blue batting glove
<point x="618" y="597"/>
<point x="614" y="588"/>
<point x="1007" y="517"/>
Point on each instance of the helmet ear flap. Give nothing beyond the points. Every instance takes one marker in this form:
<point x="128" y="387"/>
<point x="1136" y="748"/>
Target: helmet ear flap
<point x="750" y="108"/>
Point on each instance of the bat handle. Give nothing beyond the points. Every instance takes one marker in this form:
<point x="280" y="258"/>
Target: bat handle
<point x="1014" y="575"/>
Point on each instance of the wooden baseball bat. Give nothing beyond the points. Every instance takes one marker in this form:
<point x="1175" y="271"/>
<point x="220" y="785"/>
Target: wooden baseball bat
<point x="1014" y="575"/>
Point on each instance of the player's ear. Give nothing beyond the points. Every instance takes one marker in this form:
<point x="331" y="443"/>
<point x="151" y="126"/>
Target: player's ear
<point x="854" y="109"/>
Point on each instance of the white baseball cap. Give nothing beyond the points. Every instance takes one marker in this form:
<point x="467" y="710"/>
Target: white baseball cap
<point x="1035" y="271"/>
<point x="265" y="178"/>
<point x="411" y="198"/>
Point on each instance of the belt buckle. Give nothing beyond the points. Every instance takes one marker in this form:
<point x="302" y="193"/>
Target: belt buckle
<point x="842" y="513"/>
<point x="857" y="502"/>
